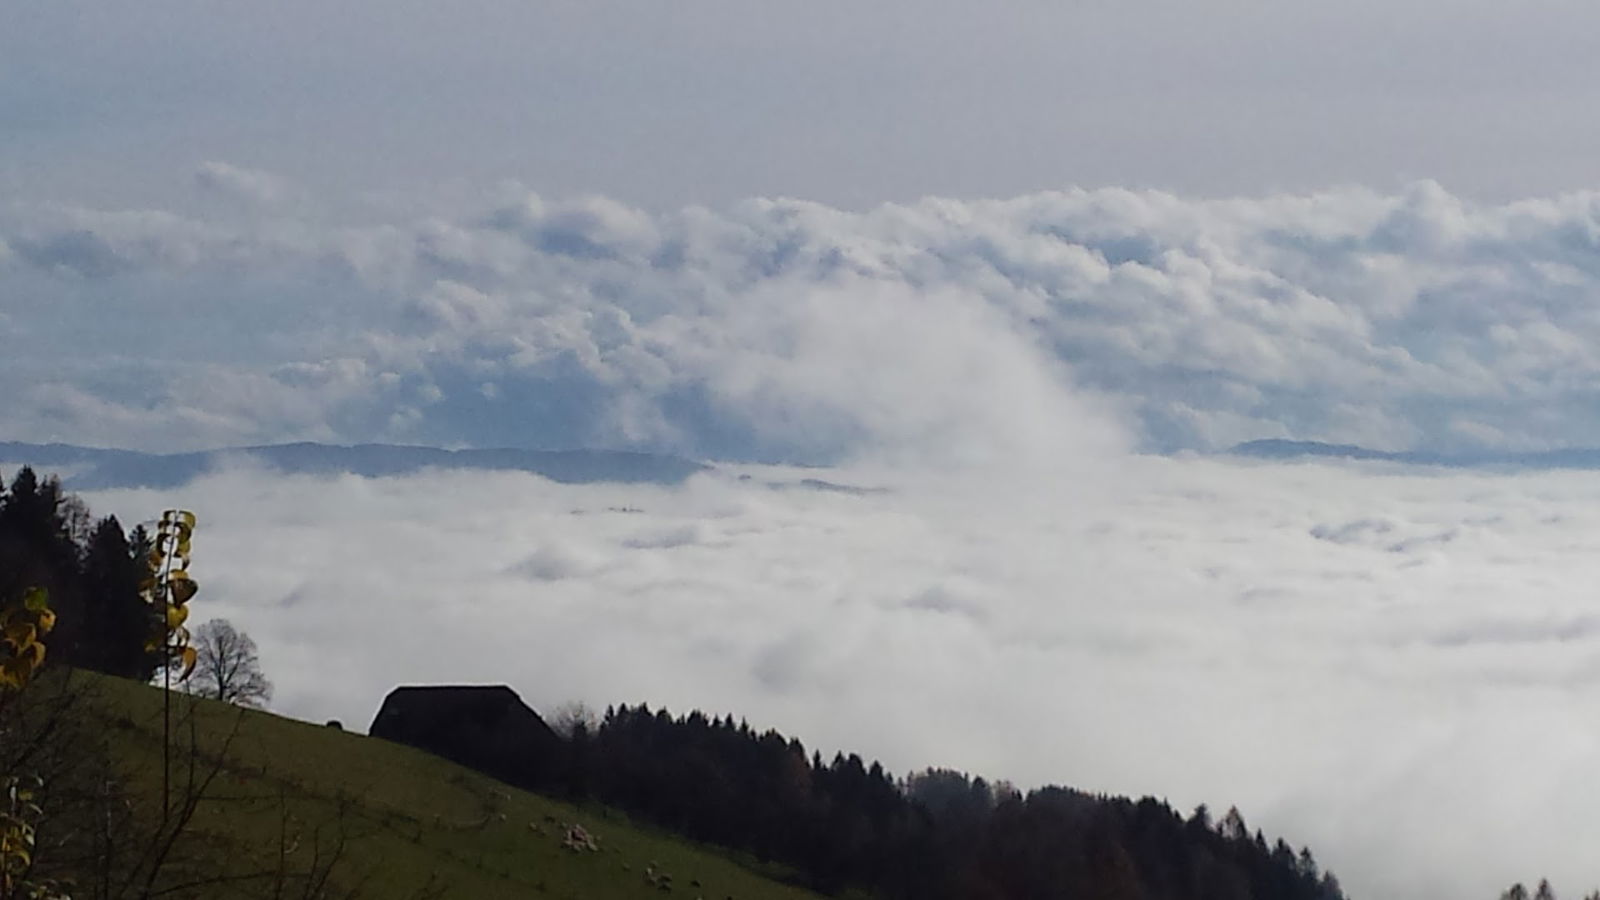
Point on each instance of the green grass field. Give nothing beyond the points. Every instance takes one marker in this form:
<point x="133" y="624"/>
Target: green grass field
<point x="386" y="821"/>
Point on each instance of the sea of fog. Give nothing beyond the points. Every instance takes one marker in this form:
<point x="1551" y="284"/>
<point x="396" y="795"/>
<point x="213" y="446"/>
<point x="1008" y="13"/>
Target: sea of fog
<point x="1399" y="667"/>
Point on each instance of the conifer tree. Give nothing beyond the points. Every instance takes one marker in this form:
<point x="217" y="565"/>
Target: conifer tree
<point x="117" y="620"/>
<point x="36" y="549"/>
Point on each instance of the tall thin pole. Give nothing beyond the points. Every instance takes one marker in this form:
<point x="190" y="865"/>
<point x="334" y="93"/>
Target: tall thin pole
<point x="168" y="596"/>
<point x="166" y="539"/>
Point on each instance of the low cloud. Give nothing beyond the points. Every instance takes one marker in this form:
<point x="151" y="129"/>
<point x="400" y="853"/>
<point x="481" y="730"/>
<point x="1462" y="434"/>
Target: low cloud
<point x="554" y="561"/>
<point x="1417" y="711"/>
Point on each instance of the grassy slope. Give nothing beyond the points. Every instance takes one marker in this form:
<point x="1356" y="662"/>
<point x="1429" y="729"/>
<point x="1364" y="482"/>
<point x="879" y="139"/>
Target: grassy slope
<point x="406" y="818"/>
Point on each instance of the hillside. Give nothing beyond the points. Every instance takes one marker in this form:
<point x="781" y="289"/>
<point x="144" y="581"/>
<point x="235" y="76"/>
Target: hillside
<point x="388" y="821"/>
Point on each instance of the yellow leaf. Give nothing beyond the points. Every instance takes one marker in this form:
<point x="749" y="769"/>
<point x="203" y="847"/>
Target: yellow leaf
<point x="190" y="657"/>
<point x="15" y="671"/>
<point x="176" y="616"/>
<point x="21" y="635"/>
<point x="36" y="599"/>
<point x="27" y="658"/>
<point x="183" y="589"/>
<point x="47" y="620"/>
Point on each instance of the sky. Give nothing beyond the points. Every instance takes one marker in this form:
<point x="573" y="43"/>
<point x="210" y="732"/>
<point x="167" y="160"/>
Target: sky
<point x="1026" y="265"/>
<point x="850" y="104"/>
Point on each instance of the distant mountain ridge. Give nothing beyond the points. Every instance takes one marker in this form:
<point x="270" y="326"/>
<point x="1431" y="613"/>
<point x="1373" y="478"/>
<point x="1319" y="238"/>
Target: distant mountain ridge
<point x="1274" y="448"/>
<point x="108" y="468"/>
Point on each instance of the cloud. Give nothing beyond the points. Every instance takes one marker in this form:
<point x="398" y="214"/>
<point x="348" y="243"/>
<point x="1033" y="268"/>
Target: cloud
<point x="1069" y="323"/>
<point x="251" y="186"/>
<point x="1267" y="635"/>
<point x="554" y="561"/>
<point x="97" y="244"/>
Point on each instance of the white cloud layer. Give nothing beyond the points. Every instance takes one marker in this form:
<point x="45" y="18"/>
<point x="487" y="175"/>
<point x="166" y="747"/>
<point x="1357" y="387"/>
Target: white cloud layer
<point x="1044" y="325"/>
<point x="1398" y="667"/>
<point x="1393" y="667"/>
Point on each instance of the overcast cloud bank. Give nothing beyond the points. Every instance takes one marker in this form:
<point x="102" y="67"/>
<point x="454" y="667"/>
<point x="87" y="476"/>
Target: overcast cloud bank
<point x="1070" y="323"/>
<point x="839" y="101"/>
<point x="1397" y="667"/>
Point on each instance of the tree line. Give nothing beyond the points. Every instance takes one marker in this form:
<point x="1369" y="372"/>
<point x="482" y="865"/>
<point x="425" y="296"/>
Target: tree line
<point x="91" y="569"/>
<point x="843" y="823"/>
<point x="1544" y="891"/>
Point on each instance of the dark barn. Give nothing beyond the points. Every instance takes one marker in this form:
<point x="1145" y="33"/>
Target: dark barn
<point x="484" y="727"/>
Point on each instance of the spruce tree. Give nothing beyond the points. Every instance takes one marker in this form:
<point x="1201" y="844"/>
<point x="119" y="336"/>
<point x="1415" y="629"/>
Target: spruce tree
<point x="37" y="550"/>
<point x="117" y="620"/>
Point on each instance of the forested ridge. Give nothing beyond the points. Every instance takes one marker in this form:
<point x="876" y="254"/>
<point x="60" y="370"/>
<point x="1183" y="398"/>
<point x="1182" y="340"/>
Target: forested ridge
<point x="935" y="834"/>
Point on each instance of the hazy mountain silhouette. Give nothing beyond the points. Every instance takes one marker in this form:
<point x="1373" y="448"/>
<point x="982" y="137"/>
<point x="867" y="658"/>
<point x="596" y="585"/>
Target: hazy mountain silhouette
<point x="105" y="468"/>
<point x="1572" y="458"/>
